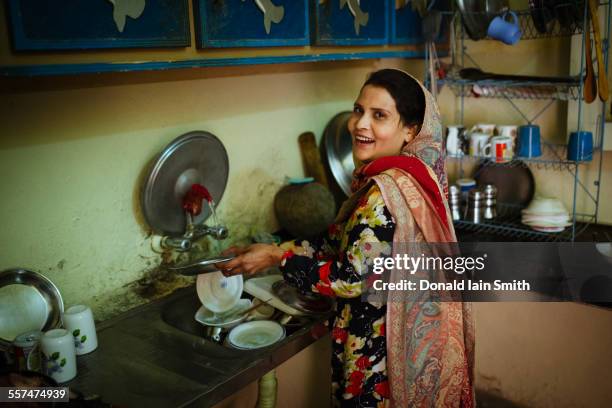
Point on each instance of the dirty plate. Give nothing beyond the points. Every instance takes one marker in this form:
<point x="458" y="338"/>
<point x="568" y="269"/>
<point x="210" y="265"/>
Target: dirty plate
<point x="219" y="293"/>
<point x="257" y="334"/>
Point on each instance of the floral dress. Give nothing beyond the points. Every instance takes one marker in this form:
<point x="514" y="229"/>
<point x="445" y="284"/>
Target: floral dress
<point x="336" y="265"/>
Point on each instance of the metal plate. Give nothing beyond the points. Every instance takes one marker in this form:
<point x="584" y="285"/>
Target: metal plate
<point x="339" y="151"/>
<point x="28" y="301"/>
<point x="514" y="181"/>
<point x="194" y="158"/>
<point x="205" y="265"/>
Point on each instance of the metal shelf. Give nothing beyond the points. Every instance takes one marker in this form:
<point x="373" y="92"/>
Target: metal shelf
<point x="571" y="11"/>
<point x="514" y="89"/>
<point x="508" y="224"/>
<point x="553" y="158"/>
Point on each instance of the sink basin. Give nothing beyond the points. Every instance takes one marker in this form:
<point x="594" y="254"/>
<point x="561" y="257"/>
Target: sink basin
<point x="179" y="313"/>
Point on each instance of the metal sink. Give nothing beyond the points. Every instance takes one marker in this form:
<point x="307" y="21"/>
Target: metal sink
<point x="179" y="313"/>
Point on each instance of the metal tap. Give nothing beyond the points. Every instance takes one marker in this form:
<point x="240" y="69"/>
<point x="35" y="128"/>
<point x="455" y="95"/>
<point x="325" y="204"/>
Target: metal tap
<point x="192" y="206"/>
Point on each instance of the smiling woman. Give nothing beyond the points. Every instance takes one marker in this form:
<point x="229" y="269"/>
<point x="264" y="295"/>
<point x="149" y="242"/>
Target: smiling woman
<point x="406" y="353"/>
<point x="378" y="125"/>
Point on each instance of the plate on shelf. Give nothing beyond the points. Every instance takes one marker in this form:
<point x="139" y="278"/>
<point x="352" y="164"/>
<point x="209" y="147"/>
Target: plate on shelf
<point x="515" y="183"/>
<point x="547" y="229"/>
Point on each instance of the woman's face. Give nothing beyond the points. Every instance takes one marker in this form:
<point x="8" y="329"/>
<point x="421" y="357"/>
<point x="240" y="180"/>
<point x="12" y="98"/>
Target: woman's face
<point x="376" y="127"/>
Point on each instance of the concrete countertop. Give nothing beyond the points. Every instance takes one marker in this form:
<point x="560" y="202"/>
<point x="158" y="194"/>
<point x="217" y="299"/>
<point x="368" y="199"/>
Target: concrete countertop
<point x="142" y="360"/>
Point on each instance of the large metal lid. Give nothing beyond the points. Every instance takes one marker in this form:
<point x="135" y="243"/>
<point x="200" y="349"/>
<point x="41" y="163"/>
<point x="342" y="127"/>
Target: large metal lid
<point x="196" y="157"/>
<point x="339" y="150"/>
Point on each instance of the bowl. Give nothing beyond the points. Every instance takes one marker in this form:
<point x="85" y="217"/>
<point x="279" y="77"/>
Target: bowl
<point x="545" y="206"/>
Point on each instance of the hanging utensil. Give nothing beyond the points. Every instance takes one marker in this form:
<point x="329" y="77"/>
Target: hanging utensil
<point x="602" y="78"/>
<point x="311" y="158"/>
<point x="590" y="83"/>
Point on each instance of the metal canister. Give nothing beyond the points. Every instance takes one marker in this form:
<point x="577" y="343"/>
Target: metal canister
<point x="26" y="348"/>
<point x="490" y="201"/>
<point x="454" y="202"/>
<point x="475" y="207"/>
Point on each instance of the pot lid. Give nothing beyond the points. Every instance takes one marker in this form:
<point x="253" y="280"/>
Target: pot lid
<point x="196" y="157"/>
<point x="305" y="302"/>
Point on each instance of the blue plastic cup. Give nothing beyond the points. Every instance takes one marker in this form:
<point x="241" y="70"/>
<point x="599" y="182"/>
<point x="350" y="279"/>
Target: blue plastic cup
<point x="529" y="144"/>
<point x="580" y="146"/>
<point x="508" y="32"/>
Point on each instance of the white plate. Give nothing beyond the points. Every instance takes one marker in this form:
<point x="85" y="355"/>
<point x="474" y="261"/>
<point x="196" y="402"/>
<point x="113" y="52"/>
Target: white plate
<point x="257" y="334"/>
<point x="547" y="229"/>
<point x="224" y="320"/>
<point x="219" y="293"/>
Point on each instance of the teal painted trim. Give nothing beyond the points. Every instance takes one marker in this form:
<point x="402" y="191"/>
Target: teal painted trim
<point x="69" y="69"/>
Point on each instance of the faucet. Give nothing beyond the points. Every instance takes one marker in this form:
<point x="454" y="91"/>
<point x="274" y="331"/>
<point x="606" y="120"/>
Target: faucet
<point x="192" y="204"/>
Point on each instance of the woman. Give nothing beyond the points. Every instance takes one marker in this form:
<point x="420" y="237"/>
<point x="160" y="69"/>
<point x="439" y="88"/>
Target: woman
<point x="402" y="353"/>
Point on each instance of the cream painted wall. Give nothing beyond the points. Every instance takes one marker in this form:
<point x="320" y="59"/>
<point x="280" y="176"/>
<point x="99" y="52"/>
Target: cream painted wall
<point x="73" y="150"/>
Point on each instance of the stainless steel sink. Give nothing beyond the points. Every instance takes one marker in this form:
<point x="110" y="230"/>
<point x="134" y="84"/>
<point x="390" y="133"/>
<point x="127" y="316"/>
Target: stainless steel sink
<point x="179" y="313"/>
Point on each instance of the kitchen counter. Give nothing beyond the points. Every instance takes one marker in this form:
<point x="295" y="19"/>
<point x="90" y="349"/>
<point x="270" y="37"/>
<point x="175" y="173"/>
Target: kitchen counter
<point x="142" y="360"/>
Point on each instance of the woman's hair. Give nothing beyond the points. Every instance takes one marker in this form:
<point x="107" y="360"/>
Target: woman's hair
<point x="405" y="90"/>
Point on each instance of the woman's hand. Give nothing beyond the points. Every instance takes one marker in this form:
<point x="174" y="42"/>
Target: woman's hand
<point x="252" y="259"/>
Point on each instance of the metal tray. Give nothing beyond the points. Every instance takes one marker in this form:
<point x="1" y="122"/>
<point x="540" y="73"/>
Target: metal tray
<point x="28" y="301"/>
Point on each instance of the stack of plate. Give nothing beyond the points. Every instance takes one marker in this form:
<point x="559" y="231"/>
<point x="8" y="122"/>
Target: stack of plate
<point x="546" y="215"/>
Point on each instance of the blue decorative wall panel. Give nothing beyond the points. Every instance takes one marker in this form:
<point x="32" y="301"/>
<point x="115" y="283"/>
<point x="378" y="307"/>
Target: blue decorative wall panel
<point x="251" y="23"/>
<point x="79" y="24"/>
<point x="351" y="22"/>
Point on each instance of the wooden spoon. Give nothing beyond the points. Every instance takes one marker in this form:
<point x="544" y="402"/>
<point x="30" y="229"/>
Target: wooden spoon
<point x="590" y="83"/>
<point x="602" y="76"/>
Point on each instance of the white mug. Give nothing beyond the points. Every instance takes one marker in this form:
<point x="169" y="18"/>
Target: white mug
<point x="454" y="140"/>
<point x="508" y="130"/>
<point x="487" y="128"/>
<point x="79" y="321"/>
<point x="477" y="143"/>
<point x="59" y="356"/>
<point x="499" y="149"/>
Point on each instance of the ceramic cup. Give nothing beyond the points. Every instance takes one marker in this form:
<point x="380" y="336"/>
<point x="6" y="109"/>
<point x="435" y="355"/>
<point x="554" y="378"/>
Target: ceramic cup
<point x="59" y="356"/>
<point x="508" y="130"/>
<point x="454" y="140"/>
<point x="499" y="149"/>
<point x="580" y="146"/>
<point x="79" y="321"/>
<point x="487" y="128"/>
<point x="529" y="141"/>
<point x="477" y="143"/>
<point x="503" y="30"/>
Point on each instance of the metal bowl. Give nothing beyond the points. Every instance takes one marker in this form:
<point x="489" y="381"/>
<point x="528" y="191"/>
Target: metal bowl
<point x="30" y="301"/>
